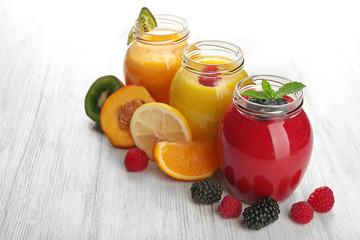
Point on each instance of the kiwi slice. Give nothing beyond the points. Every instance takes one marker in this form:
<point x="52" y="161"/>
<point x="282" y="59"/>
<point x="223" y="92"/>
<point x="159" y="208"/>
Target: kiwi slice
<point x="145" y="23"/>
<point x="99" y="91"/>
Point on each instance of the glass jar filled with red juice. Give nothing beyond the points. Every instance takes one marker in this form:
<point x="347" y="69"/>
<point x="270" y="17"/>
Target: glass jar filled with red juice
<point x="264" y="150"/>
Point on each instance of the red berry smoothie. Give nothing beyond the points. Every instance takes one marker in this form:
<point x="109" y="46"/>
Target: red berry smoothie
<point x="264" y="150"/>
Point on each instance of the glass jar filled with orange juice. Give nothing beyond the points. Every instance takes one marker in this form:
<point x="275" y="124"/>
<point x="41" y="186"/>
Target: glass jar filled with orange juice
<point x="154" y="57"/>
<point x="202" y="88"/>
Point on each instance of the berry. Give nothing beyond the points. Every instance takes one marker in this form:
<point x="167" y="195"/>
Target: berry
<point x="207" y="191"/>
<point x="230" y="207"/>
<point x="281" y="101"/>
<point x="209" y="81"/>
<point x="262" y="213"/>
<point x="302" y="212"/>
<point x="322" y="199"/>
<point x="136" y="160"/>
<point x="211" y="77"/>
<point x="256" y="100"/>
<point x="270" y="102"/>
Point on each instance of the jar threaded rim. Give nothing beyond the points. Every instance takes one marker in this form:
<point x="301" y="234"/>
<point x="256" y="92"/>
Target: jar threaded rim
<point x="172" y="29"/>
<point x="213" y="48"/>
<point x="266" y="111"/>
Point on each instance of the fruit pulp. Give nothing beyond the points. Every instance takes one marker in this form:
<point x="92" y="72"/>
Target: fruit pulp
<point x="203" y="104"/>
<point x="263" y="157"/>
<point x="154" y="65"/>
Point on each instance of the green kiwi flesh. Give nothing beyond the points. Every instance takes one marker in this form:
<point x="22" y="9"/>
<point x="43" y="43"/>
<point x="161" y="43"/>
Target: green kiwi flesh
<point x="145" y="23"/>
<point x="99" y="91"/>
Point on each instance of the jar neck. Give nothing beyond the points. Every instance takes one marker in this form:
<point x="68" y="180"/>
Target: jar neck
<point x="194" y="54"/>
<point x="266" y="112"/>
<point x="170" y="30"/>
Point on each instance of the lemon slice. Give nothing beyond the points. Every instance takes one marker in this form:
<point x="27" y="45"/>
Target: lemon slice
<point x="157" y="122"/>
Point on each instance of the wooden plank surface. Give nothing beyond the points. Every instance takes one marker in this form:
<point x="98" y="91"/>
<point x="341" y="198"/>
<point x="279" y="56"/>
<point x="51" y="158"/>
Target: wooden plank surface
<point x="60" y="178"/>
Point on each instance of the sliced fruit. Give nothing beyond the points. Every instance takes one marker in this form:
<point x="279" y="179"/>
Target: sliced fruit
<point x="187" y="160"/>
<point x="146" y="20"/>
<point x="99" y="91"/>
<point x="117" y="111"/>
<point x="145" y="23"/>
<point x="156" y="122"/>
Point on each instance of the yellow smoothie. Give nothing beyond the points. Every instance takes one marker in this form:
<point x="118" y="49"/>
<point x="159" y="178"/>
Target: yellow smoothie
<point x="201" y="103"/>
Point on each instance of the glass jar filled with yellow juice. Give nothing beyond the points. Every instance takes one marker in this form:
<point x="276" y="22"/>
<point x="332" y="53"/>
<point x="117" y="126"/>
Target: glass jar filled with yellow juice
<point x="154" y="57"/>
<point x="202" y="88"/>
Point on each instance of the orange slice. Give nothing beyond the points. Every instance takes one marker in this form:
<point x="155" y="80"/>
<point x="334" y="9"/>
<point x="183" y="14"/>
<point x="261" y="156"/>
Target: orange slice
<point x="187" y="160"/>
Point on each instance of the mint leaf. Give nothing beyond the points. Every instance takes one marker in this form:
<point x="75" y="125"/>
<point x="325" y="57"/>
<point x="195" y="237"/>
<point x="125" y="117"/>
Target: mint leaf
<point x="288" y="88"/>
<point x="267" y="89"/>
<point x="255" y="94"/>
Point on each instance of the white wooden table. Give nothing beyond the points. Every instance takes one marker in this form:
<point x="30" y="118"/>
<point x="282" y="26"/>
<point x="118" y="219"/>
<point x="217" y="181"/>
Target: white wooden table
<point x="60" y="178"/>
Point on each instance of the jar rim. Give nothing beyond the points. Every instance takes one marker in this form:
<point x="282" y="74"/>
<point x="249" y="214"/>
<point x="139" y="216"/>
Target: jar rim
<point x="221" y="48"/>
<point x="266" y="111"/>
<point x="175" y="25"/>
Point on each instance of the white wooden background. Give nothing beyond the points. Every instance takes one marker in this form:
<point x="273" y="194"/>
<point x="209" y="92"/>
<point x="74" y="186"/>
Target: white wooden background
<point x="60" y="178"/>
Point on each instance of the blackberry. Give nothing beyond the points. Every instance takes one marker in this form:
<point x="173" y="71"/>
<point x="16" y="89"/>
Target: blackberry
<point x="270" y="102"/>
<point x="281" y="101"/>
<point x="207" y="191"/>
<point x="261" y="213"/>
<point x="256" y="100"/>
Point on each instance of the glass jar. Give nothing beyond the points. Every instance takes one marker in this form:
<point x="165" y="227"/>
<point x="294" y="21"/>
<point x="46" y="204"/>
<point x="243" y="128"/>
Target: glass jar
<point x="264" y="150"/>
<point x="154" y="57"/>
<point x="202" y="88"/>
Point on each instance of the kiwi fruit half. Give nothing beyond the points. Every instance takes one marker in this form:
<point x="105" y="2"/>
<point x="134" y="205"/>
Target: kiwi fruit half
<point x="99" y="91"/>
<point x="145" y="23"/>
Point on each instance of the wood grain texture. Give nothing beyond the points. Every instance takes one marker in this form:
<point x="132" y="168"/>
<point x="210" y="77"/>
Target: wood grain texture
<point x="60" y="178"/>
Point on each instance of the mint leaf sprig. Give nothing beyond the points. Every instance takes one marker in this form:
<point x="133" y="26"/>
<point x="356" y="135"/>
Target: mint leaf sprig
<point x="269" y="93"/>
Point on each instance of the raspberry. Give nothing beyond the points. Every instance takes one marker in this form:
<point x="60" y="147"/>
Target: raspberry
<point x="302" y="212"/>
<point x="209" y="81"/>
<point x="136" y="160"/>
<point x="230" y="207"/>
<point x="322" y="199"/>
<point x="210" y="76"/>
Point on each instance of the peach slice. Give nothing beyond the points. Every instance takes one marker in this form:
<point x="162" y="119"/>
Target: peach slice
<point x="117" y="111"/>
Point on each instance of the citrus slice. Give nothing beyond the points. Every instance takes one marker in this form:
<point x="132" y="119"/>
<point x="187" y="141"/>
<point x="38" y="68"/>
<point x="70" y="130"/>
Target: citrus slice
<point x="187" y="160"/>
<point x="157" y="122"/>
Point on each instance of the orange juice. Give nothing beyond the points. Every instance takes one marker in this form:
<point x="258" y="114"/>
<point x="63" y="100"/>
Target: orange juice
<point x="202" y="89"/>
<point x="154" y="57"/>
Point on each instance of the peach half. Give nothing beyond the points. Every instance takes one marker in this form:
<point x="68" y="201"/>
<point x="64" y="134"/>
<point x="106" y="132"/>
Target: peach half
<point x="117" y="111"/>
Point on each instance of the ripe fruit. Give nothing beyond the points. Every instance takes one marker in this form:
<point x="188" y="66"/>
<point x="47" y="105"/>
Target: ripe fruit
<point x="145" y="23"/>
<point x="281" y="101"/>
<point x="210" y="76"/>
<point x="322" y="199"/>
<point x="99" y="91"/>
<point x="136" y="160"/>
<point x="207" y="191"/>
<point x="156" y="122"/>
<point x="117" y="111"/>
<point x="261" y="213"/>
<point x="187" y="160"/>
<point x="230" y="207"/>
<point x="256" y="100"/>
<point x="302" y="212"/>
<point x="270" y="102"/>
